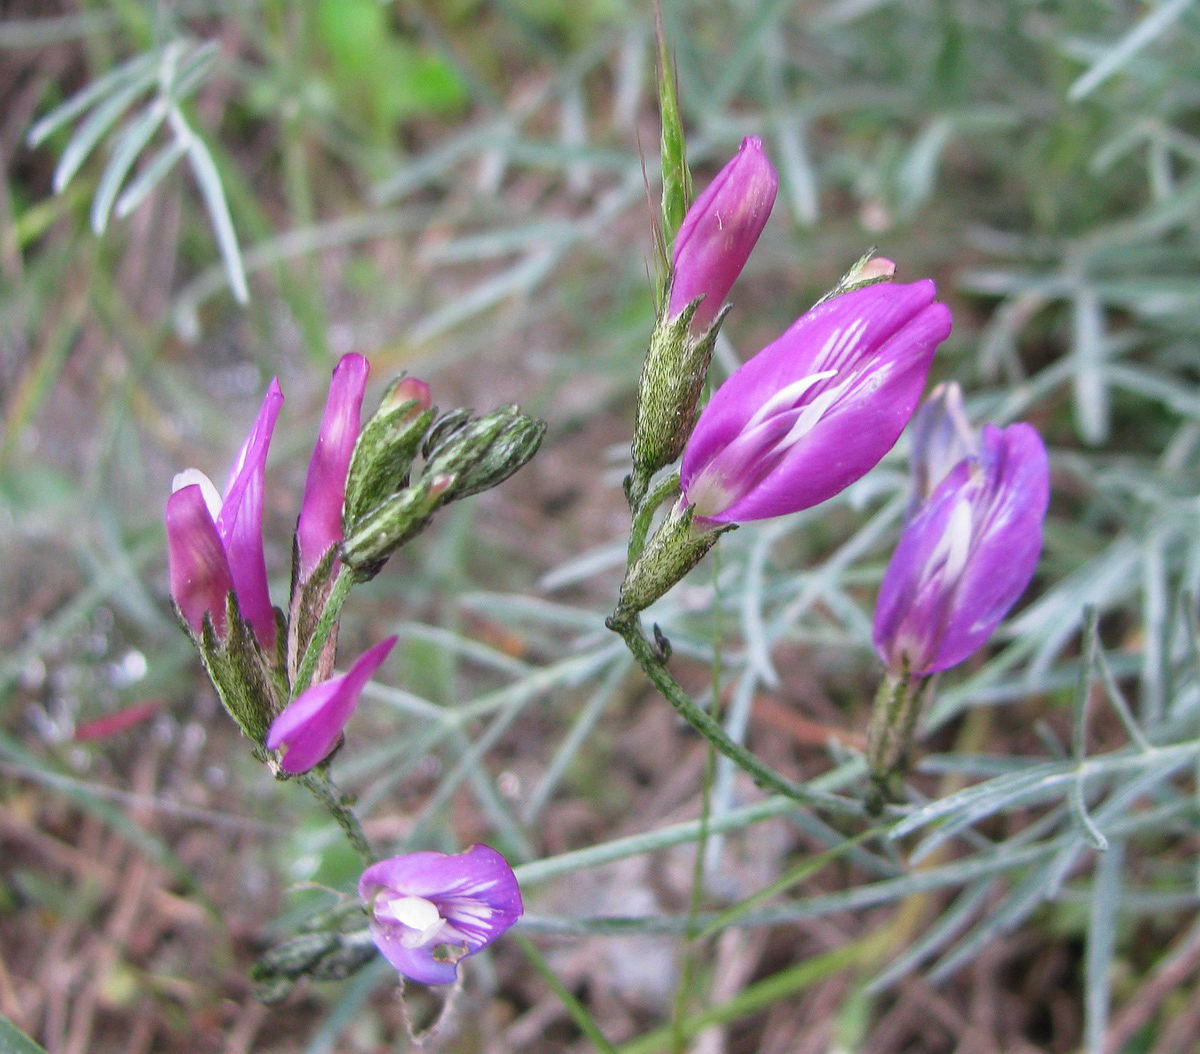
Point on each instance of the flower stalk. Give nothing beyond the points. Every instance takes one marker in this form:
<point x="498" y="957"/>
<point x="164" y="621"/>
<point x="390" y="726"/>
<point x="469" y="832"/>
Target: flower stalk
<point x="652" y="658"/>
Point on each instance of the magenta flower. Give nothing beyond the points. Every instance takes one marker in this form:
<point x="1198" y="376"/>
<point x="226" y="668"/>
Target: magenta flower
<point x="320" y="524"/>
<point x="215" y="543"/>
<point x="310" y="726"/>
<point x="816" y="409"/>
<point x="199" y="568"/>
<point x="427" y="911"/>
<point x="720" y="230"/>
<point x="966" y="556"/>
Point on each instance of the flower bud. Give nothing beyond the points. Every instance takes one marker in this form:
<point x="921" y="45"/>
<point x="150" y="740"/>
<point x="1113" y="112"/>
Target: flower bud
<point x="383" y="455"/>
<point x="815" y="410"/>
<point x="868" y="269"/>
<point x="476" y="454"/>
<point x="714" y="242"/>
<point x="372" y="538"/>
<point x="719" y="232"/>
<point x="320" y="524"/>
<point x="966" y="556"/>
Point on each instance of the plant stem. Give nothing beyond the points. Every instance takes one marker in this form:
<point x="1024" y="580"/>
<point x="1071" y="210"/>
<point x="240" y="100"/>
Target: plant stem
<point x="898" y="705"/>
<point x="579" y="1014"/>
<point x="325" y="625"/>
<point x="644" y="513"/>
<point x="654" y="665"/>
<point x="326" y="793"/>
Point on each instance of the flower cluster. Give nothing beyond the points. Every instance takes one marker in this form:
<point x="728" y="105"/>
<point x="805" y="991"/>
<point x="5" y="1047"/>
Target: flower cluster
<point x="797" y="423"/>
<point x="363" y="498"/>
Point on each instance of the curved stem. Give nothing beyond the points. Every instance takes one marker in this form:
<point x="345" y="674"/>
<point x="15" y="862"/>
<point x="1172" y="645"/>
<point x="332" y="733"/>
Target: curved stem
<point x="324" y="627"/>
<point x="653" y="663"/>
<point x="326" y="793"/>
<point x="644" y="512"/>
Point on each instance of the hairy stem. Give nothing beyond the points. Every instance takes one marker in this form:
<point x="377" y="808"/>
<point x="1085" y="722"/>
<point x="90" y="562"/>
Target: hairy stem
<point x="326" y="793"/>
<point x="654" y="665"/>
<point x="644" y="513"/>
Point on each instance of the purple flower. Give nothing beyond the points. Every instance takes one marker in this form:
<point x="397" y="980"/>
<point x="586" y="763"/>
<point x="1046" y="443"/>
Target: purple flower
<point x="812" y="412"/>
<point x="941" y="437"/>
<point x="966" y="556"/>
<point x="427" y="911"/>
<point x="720" y="230"/>
<point x="200" y="521"/>
<point x="309" y="727"/>
<point x="320" y="524"/>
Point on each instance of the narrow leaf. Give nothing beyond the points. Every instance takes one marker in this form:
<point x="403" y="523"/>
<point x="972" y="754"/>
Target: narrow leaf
<point x="84" y="98"/>
<point x="14" y="1041"/>
<point x="89" y="133"/>
<point x="676" y="178"/>
<point x="149" y="178"/>
<point x="1153" y="25"/>
<point x="209" y="180"/>
<point x="131" y="143"/>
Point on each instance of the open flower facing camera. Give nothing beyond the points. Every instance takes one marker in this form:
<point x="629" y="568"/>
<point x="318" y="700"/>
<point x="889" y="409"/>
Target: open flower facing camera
<point x="428" y="911"/>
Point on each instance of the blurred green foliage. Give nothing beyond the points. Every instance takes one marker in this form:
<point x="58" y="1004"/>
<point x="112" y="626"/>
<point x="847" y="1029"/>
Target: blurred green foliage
<point x="380" y="75"/>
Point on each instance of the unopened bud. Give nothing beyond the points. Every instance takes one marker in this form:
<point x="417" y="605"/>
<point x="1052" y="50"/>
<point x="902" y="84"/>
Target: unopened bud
<point x="386" y="447"/>
<point x="868" y="269"/>
<point x="476" y="454"/>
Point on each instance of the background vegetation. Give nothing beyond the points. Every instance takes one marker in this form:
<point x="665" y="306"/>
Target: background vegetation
<point x="254" y="187"/>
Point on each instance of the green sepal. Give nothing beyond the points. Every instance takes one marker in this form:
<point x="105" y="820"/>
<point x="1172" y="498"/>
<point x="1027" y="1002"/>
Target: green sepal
<point x="676" y="547"/>
<point x="383" y="454"/>
<point x="307" y="605"/>
<point x="478" y="453"/>
<point x="894" y="716"/>
<point x="251" y="688"/>
<point x="669" y="392"/>
<point x="444" y="428"/>
<point x="851" y="280"/>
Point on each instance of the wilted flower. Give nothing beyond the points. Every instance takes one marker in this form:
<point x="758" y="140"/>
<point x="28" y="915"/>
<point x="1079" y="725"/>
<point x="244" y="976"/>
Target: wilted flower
<point x="719" y="232"/>
<point x="320" y="523"/>
<point x="215" y="544"/>
<point x="309" y="728"/>
<point x="816" y="409"/>
<point x="966" y="556"/>
<point x="427" y="911"/>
